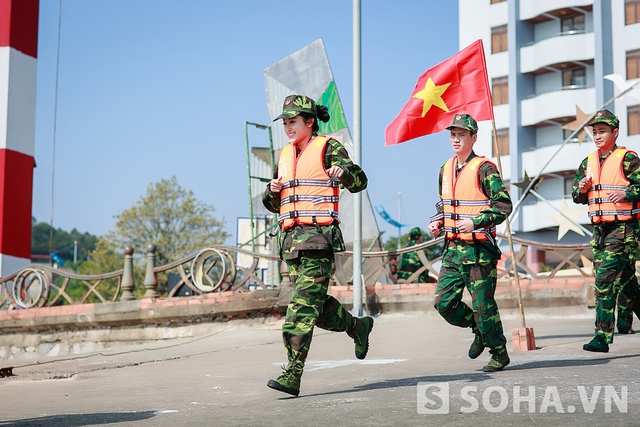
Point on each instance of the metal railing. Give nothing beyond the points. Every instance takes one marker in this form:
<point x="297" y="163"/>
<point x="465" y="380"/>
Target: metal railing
<point x="548" y="36"/>
<point x="214" y="269"/>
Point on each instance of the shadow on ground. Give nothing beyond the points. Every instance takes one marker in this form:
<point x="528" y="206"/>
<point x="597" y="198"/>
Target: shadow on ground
<point x="80" y="420"/>
<point x="475" y="377"/>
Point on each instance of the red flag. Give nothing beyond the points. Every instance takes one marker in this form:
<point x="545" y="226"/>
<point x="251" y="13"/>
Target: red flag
<point x="456" y="85"/>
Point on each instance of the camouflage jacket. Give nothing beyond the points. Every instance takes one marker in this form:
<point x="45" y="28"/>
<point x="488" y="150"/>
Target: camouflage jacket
<point x="305" y="238"/>
<point x="631" y="169"/>
<point x="410" y="263"/>
<point x="456" y="251"/>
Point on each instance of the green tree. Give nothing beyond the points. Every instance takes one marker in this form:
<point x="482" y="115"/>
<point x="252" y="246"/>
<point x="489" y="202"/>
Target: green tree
<point x="106" y="258"/>
<point x="63" y="241"/>
<point x="170" y="217"/>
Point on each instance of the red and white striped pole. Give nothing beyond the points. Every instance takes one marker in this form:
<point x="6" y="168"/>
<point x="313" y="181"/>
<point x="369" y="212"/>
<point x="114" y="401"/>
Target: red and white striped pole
<point x="18" y="52"/>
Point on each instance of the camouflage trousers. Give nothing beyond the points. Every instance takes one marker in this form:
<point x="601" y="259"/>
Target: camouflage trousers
<point x="310" y="305"/>
<point x="625" y="313"/>
<point x="614" y="257"/>
<point x="480" y="281"/>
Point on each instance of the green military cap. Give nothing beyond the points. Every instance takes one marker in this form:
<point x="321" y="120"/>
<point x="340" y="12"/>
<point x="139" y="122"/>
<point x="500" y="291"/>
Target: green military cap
<point x="295" y="104"/>
<point x="464" y="121"/>
<point x="606" y="117"/>
<point x="415" y="233"/>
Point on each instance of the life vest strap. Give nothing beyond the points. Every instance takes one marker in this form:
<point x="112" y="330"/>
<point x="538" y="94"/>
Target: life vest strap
<point x="313" y="199"/>
<point x="598" y="200"/>
<point x="436" y="217"/>
<point x="613" y="213"/>
<point x="452" y="202"/>
<point x="332" y="182"/>
<point x="456" y="230"/>
<point x="599" y="187"/>
<point x="457" y="216"/>
<point x="297" y="214"/>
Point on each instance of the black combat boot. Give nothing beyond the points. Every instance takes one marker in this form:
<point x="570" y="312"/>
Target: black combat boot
<point x="289" y="381"/>
<point x="499" y="360"/>
<point x="360" y="334"/>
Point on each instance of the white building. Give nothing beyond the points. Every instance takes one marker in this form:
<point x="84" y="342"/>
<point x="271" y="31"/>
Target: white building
<point x="544" y="59"/>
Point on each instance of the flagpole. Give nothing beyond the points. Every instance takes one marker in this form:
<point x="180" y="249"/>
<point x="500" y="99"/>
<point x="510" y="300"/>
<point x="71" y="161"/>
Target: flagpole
<point x="357" y="132"/>
<point x="399" y="218"/>
<point x="514" y="263"/>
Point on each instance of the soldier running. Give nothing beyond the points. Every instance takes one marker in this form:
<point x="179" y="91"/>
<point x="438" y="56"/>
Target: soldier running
<point x="473" y="200"/>
<point x="305" y="192"/>
<point x="608" y="180"/>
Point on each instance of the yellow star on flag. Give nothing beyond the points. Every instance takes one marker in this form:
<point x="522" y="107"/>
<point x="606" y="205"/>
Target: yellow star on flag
<point x="568" y="220"/>
<point x="432" y="95"/>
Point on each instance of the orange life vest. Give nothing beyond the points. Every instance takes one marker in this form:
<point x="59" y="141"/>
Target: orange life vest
<point x="462" y="198"/>
<point x="607" y="177"/>
<point x="308" y="194"/>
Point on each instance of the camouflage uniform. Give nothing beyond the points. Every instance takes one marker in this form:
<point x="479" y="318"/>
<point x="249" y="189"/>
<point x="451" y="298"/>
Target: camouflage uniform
<point x="410" y="262"/>
<point x="614" y="255"/>
<point x="472" y="265"/>
<point x="624" y="322"/>
<point x="309" y="256"/>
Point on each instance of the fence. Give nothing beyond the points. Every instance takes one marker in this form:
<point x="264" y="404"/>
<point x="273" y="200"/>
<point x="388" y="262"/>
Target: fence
<point x="214" y="269"/>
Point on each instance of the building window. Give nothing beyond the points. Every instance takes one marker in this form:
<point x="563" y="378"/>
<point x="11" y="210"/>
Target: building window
<point x="631" y="12"/>
<point x="575" y="78"/>
<point x="572" y="24"/>
<point x="500" y="90"/>
<point x="633" y="119"/>
<point x="503" y="142"/>
<point x="633" y="64"/>
<point x="499" y="39"/>
<point x="566" y="133"/>
<point x="568" y="186"/>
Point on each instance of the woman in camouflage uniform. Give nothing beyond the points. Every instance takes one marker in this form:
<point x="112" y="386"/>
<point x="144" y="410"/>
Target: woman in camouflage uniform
<point x="305" y="192"/>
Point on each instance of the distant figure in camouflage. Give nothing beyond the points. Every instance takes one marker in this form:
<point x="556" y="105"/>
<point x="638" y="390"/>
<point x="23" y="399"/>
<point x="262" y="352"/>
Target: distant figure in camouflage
<point x="473" y="200"/>
<point x="410" y="262"/>
<point x="393" y="267"/>
<point x="305" y="192"/>
<point x="608" y="180"/>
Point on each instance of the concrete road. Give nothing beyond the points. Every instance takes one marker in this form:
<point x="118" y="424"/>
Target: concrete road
<point x="416" y="373"/>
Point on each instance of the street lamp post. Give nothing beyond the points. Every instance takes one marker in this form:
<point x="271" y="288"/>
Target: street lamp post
<point x="357" y="132"/>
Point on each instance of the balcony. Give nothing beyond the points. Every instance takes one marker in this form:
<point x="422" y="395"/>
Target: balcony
<point x="558" y="104"/>
<point x="539" y="10"/>
<point x="568" y="158"/>
<point x="567" y="47"/>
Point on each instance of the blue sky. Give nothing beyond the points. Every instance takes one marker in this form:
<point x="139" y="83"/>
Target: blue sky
<point x="149" y="89"/>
